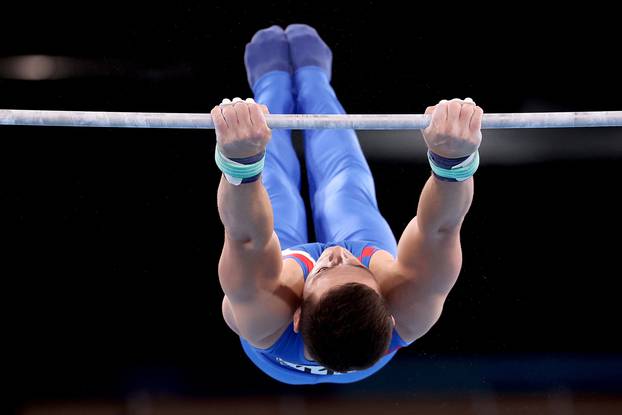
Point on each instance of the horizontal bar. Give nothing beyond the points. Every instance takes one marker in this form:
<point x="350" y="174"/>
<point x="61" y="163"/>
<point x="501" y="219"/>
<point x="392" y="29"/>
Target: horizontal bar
<point x="303" y="121"/>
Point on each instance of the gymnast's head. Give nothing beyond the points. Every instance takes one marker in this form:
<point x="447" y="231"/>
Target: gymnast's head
<point x="343" y="319"/>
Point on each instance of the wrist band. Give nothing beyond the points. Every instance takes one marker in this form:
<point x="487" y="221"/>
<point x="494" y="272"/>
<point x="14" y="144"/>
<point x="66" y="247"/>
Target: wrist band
<point x="453" y="170"/>
<point x="238" y="171"/>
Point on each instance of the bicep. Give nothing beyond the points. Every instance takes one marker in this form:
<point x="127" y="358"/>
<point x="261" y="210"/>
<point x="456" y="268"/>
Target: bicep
<point x="245" y="270"/>
<point x="431" y="262"/>
<point x="257" y="319"/>
<point x="414" y="310"/>
<point x="426" y="269"/>
<point x="413" y="319"/>
<point x="257" y="301"/>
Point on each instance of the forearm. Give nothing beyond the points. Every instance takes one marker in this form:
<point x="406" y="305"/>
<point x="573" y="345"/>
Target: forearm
<point x="443" y="205"/>
<point x="245" y="211"/>
<point x="429" y="256"/>
<point x="429" y="250"/>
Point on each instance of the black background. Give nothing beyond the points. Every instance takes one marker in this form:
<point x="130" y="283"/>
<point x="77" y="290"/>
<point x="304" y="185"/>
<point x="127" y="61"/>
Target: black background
<point x="112" y="237"/>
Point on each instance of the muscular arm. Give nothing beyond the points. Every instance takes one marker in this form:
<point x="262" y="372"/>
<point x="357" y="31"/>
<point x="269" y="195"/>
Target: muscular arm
<point x="429" y="255"/>
<point x="246" y="212"/>
<point x="251" y="257"/>
<point x="250" y="267"/>
<point x="430" y="245"/>
<point x="443" y="205"/>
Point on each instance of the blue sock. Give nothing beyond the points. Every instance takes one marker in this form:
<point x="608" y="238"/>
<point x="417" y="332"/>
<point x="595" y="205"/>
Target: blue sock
<point x="267" y="51"/>
<point x="308" y="49"/>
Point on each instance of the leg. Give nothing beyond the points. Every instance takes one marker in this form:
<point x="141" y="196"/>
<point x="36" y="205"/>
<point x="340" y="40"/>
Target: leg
<point x="281" y="175"/>
<point x="341" y="186"/>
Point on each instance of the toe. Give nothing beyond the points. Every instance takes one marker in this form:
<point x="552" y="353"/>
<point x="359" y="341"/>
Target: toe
<point x="299" y="28"/>
<point x="269" y="33"/>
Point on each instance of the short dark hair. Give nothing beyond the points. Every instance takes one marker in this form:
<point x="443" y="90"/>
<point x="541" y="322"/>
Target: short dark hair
<point x="348" y="328"/>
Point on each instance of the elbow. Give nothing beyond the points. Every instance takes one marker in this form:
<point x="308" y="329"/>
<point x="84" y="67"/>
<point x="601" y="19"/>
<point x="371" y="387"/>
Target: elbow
<point x="443" y="231"/>
<point x="245" y="242"/>
<point x="451" y="229"/>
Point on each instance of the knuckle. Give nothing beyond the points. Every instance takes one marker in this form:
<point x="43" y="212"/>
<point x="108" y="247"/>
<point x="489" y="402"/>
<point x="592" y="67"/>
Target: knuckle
<point x="447" y="129"/>
<point x="467" y="109"/>
<point x="455" y="131"/>
<point x="258" y="131"/>
<point x="465" y="115"/>
<point x="244" y="133"/>
<point x="454" y="105"/>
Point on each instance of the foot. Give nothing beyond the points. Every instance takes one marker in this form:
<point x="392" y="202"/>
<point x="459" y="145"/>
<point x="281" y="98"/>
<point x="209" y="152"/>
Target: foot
<point x="307" y="48"/>
<point x="267" y="51"/>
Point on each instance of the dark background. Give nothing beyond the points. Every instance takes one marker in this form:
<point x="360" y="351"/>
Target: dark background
<point x="112" y="236"/>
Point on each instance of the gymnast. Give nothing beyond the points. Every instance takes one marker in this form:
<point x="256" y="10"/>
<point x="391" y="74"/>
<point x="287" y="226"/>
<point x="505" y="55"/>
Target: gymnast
<point x="336" y="310"/>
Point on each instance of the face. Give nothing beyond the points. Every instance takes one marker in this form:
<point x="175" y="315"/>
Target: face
<point x="337" y="266"/>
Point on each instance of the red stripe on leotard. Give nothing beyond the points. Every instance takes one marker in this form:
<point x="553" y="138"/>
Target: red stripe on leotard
<point x="304" y="260"/>
<point x="367" y="251"/>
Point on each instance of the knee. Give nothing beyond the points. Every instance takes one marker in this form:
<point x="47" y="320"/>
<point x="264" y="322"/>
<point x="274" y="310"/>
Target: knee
<point x="349" y="182"/>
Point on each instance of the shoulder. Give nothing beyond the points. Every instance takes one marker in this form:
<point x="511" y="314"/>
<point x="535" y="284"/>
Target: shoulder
<point x="414" y="314"/>
<point x="384" y="267"/>
<point x="381" y="264"/>
<point x="292" y="279"/>
<point x="276" y="308"/>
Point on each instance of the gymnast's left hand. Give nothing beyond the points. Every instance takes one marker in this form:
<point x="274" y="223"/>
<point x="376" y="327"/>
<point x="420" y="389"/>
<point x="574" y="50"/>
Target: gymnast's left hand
<point x="241" y="127"/>
<point x="455" y="128"/>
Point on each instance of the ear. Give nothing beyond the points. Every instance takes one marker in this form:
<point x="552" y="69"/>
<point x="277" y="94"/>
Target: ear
<point x="296" y="320"/>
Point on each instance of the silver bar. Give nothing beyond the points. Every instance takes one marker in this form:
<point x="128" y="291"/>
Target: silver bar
<point x="303" y="121"/>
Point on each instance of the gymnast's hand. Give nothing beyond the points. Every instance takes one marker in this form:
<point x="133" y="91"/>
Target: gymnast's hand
<point x="455" y="128"/>
<point x="241" y="128"/>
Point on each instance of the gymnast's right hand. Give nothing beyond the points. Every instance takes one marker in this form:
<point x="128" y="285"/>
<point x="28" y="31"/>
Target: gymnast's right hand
<point x="241" y="127"/>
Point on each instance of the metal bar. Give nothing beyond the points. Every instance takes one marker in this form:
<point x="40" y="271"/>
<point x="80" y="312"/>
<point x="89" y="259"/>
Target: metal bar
<point x="304" y="121"/>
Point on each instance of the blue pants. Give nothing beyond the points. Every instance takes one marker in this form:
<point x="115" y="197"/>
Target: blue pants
<point x="341" y="186"/>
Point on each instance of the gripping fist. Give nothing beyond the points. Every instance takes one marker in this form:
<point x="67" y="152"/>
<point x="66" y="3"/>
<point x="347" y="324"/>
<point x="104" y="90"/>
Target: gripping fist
<point x="241" y="127"/>
<point x="455" y="128"/>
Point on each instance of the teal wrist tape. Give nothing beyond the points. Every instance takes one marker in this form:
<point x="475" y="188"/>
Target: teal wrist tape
<point x="454" y="170"/>
<point x="240" y="170"/>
